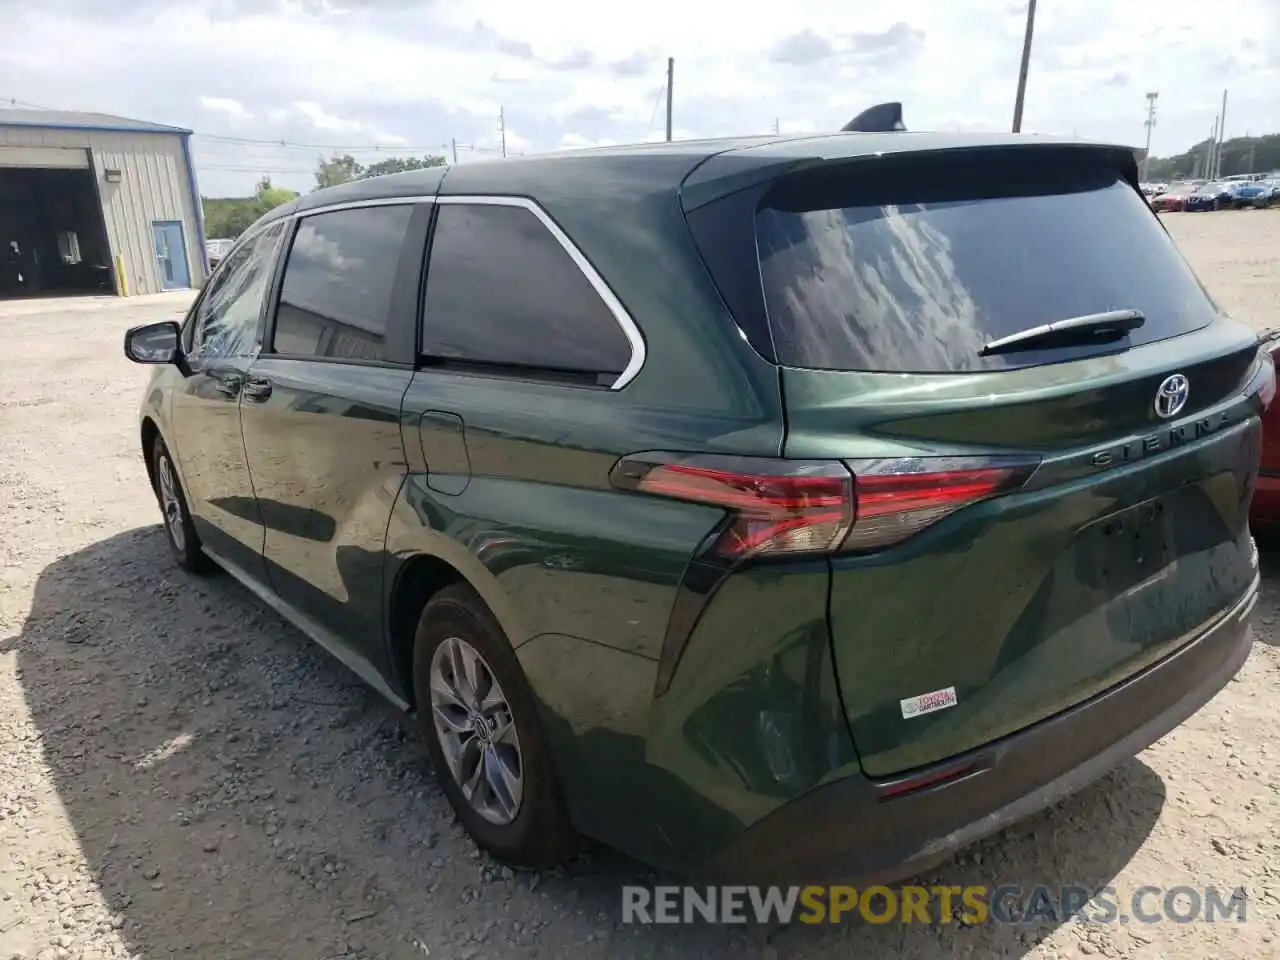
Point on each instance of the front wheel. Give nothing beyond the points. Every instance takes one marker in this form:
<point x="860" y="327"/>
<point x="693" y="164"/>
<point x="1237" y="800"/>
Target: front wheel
<point x="479" y="718"/>
<point x="178" y="528"/>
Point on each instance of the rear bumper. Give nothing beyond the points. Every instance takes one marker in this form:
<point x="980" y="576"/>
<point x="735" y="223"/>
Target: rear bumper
<point x="852" y="831"/>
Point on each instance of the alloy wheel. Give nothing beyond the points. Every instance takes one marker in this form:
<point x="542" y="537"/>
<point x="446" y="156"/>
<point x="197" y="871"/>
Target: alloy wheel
<point x="476" y="731"/>
<point x="171" y="504"/>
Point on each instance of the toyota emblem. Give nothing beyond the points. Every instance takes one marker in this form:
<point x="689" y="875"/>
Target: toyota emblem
<point x="1172" y="396"/>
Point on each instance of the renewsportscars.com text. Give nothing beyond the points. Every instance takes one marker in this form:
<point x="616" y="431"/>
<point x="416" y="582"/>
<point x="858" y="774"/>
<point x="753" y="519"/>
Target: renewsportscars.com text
<point x="972" y="905"/>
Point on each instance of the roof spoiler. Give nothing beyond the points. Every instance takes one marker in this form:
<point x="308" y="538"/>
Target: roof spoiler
<point x="882" y="118"/>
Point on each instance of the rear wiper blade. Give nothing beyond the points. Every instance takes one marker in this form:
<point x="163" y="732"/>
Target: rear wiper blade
<point x="1074" y="331"/>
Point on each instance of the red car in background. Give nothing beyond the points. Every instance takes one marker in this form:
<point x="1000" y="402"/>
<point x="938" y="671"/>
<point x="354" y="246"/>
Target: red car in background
<point x="1172" y="199"/>
<point x="1264" y="515"/>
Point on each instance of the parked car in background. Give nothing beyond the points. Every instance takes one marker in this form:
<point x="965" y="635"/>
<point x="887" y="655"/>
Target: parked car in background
<point x="756" y="506"/>
<point x="1173" y="198"/>
<point x="1251" y="194"/>
<point x="1210" y="196"/>
<point x="1269" y="196"/>
<point x="218" y="250"/>
<point x="1264" y="514"/>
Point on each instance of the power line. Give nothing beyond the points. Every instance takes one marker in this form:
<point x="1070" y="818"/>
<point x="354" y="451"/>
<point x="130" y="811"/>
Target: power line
<point x="14" y="102"/>
<point x="255" y="165"/>
<point x="397" y="150"/>
<point x="653" y="114"/>
<point x="296" y="145"/>
<point x="254" y="168"/>
<point x="440" y="149"/>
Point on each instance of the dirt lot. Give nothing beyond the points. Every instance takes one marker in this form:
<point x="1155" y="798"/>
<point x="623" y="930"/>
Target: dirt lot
<point x="183" y="774"/>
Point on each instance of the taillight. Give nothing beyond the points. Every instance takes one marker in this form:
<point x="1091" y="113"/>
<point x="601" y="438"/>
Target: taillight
<point x="1267" y="393"/>
<point x="900" y="497"/>
<point x="775" y="506"/>
<point x="788" y="507"/>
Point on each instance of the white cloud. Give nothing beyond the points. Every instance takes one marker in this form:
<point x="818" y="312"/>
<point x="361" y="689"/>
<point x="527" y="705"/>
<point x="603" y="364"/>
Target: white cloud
<point x="790" y="126"/>
<point x="576" y="141"/>
<point x="414" y="76"/>
<point x="326" y="122"/>
<point x="225" y="105"/>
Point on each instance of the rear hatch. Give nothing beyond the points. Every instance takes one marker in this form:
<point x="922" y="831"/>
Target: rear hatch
<point x="1035" y="522"/>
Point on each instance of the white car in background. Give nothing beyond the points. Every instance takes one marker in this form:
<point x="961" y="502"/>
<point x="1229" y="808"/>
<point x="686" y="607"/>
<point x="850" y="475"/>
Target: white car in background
<point x="217" y="249"/>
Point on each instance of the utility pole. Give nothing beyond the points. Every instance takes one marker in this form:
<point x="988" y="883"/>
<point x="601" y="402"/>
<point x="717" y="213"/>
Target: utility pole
<point x="1210" y="156"/>
<point x="1149" y="124"/>
<point x="1213" y="148"/>
<point x="1022" y="71"/>
<point x="453" y="146"/>
<point x="671" y="73"/>
<point x="777" y="128"/>
<point x="1205" y="170"/>
<point x="502" y="129"/>
<point x="1222" y="136"/>
<point x="1211" y="159"/>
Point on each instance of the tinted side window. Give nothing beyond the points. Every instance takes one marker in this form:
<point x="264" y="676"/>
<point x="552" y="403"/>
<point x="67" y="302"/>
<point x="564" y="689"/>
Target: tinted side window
<point x="502" y="291"/>
<point x="226" y="321"/>
<point x="338" y="282"/>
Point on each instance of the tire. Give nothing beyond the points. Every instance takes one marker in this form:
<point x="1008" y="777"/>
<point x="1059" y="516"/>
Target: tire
<point x="533" y="831"/>
<point x="180" y="533"/>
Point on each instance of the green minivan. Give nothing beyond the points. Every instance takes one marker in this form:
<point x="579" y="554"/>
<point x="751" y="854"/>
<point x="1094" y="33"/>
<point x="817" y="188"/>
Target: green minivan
<point x="783" y="509"/>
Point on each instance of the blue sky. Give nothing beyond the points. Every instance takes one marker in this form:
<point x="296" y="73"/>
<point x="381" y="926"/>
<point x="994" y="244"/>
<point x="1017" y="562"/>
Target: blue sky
<point x="381" y="77"/>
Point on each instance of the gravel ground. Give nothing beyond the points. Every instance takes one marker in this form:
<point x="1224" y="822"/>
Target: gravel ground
<point x="181" y="773"/>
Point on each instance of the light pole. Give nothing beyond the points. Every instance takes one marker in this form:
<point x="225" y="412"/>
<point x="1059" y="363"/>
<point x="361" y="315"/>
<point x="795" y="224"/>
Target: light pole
<point x="1022" y="71"/>
<point x="671" y="75"/>
<point x="1149" y="123"/>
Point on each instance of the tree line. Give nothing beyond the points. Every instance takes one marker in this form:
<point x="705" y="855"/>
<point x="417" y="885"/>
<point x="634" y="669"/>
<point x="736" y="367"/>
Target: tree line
<point x="228" y="217"/>
<point x="1239" y="155"/>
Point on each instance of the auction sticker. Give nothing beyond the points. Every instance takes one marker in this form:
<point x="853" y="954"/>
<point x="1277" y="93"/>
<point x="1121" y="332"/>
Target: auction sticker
<point x="928" y="703"/>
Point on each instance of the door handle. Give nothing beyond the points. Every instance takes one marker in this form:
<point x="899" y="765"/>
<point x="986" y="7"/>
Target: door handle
<point x="227" y="385"/>
<point x="257" y="389"/>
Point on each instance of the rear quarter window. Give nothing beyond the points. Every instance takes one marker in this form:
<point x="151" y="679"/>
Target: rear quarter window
<point x="915" y="272"/>
<point x="504" y="294"/>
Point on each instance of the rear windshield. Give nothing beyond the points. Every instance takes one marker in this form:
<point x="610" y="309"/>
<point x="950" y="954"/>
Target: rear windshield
<point x="918" y="271"/>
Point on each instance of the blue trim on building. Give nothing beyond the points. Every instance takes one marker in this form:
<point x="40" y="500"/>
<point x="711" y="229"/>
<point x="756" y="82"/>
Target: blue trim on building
<point x="196" y="202"/>
<point x="92" y="128"/>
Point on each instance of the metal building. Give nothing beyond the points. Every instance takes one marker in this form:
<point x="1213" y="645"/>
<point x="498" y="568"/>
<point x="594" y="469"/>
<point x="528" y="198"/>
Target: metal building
<point x="95" y="203"/>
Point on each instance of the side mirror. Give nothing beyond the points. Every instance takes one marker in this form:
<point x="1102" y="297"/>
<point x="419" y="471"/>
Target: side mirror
<point x="153" y="342"/>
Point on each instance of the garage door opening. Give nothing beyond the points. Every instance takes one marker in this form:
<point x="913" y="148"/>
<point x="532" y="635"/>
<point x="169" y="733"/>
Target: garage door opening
<point x="53" y="241"/>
